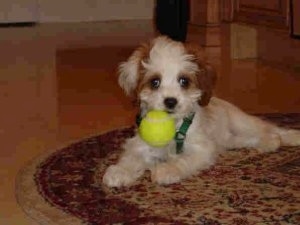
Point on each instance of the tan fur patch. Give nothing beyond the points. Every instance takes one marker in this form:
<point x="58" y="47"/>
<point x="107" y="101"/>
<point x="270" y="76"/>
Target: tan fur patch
<point x="206" y="76"/>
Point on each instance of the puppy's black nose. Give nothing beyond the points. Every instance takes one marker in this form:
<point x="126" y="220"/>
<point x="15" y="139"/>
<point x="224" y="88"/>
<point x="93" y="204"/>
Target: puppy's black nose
<point x="170" y="103"/>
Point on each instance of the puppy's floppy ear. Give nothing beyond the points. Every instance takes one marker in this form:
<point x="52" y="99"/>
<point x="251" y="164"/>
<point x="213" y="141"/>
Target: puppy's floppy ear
<point x="130" y="71"/>
<point x="206" y="75"/>
<point x="207" y="79"/>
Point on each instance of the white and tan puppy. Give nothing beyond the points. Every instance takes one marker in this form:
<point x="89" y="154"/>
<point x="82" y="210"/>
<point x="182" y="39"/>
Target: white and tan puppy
<point x="172" y="76"/>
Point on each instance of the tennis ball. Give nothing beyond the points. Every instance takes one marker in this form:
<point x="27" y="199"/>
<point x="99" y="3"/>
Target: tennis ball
<point x="157" y="128"/>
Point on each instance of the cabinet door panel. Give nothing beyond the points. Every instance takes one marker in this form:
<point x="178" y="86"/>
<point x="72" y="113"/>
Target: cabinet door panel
<point x="264" y="5"/>
<point x="272" y="13"/>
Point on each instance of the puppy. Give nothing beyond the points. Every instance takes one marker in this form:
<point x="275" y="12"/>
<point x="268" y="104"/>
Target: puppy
<point x="174" y="77"/>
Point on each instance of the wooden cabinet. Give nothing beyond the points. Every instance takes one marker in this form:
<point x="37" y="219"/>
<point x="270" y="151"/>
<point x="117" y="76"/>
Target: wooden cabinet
<point x="272" y="13"/>
<point x="204" y="12"/>
<point x="204" y="23"/>
<point x="295" y="18"/>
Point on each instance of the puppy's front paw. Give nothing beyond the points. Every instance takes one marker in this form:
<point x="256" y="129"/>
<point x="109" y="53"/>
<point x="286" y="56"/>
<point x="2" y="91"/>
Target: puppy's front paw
<point x="165" y="174"/>
<point x="270" y="143"/>
<point x="116" y="176"/>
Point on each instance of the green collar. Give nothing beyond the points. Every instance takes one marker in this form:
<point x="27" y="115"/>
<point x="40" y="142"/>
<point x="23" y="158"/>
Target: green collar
<point x="180" y="134"/>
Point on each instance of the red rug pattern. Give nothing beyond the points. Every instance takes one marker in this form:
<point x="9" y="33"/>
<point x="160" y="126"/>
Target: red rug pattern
<point x="243" y="188"/>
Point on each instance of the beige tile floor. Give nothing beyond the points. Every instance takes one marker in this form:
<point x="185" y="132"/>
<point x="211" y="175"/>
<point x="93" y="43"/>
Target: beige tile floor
<point x="58" y="83"/>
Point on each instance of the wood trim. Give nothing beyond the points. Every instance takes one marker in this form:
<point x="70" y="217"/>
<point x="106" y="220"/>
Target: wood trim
<point x="204" y="23"/>
<point x="276" y="17"/>
<point x="227" y="10"/>
<point x="213" y="12"/>
<point x="294" y="33"/>
<point x="205" y="12"/>
<point x="252" y="7"/>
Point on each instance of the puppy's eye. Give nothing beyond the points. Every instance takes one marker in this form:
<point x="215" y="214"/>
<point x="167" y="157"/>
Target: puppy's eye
<point x="155" y="83"/>
<point x="184" y="82"/>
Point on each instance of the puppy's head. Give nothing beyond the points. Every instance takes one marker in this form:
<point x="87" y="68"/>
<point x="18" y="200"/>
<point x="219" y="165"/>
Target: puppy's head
<point x="168" y="75"/>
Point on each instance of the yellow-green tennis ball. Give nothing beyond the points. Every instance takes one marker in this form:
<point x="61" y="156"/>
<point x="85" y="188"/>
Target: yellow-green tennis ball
<point x="157" y="128"/>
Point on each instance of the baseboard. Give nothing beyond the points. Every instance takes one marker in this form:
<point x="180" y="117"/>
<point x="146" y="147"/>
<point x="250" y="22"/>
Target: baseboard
<point x="17" y="24"/>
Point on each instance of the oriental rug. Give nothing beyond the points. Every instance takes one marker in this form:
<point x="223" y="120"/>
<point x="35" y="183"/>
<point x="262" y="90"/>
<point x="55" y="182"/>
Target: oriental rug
<point x="244" y="187"/>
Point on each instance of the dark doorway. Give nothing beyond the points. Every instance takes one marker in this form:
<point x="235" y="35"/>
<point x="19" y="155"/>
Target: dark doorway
<point x="171" y="17"/>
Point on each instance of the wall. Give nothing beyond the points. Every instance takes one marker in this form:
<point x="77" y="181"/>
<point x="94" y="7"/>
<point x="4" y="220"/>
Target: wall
<point x="18" y="11"/>
<point x="94" y="10"/>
